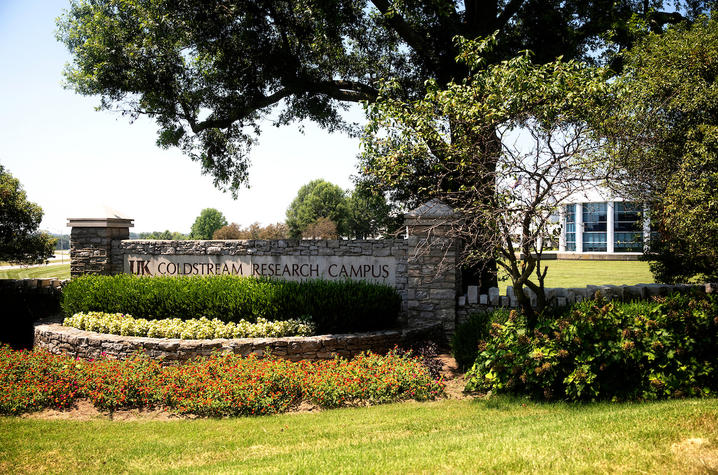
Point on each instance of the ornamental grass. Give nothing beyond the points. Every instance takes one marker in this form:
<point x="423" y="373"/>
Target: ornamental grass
<point x="223" y="384"/>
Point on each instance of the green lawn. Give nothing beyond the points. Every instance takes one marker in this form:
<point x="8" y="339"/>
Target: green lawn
<point x="59" y="271"/>
<point x="445" y="436"/>
<point x="565" y="273"/>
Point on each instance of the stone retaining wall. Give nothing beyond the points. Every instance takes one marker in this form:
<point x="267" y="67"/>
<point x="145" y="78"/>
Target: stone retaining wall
<point x="472" y="302"/>
<point x="90" y="345"/>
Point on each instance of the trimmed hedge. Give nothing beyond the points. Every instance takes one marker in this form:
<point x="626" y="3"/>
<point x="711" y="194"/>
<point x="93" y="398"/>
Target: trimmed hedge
<point x="660" y="349"/>
<point x="333" y="306"/>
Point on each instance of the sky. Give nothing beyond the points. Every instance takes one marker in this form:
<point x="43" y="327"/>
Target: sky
<point x="73" y="160"/>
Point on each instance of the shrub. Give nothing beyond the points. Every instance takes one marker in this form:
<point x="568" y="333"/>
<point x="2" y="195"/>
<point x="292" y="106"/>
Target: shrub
<point x="333" y="306"/>
<point x="644" y="350"/>
<point x="196" y="328"/>
<point x="219" y="385"/>
<point x="465" y="342"/>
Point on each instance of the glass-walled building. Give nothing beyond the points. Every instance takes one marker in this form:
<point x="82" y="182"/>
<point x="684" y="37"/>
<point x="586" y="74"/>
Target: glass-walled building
<point x="603" y="227"/>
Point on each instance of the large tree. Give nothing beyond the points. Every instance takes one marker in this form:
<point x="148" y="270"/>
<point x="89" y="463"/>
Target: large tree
<point x="663" y="134"/>
<point x="317" y="199"/>
<point x="540" y="117"/>
<point x="208" y="74"/>
<point x="20" y="240"/>
<point x="208" y="221"/>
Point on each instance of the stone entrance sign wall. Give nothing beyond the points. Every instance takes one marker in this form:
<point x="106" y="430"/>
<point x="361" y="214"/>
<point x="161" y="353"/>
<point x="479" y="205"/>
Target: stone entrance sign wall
<point x="421" y="267"/>
<point x="196" y="261"/>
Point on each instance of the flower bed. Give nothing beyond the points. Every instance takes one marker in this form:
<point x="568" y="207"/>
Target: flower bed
<point x="196" y="328"/>
<point x="220" y="385"/>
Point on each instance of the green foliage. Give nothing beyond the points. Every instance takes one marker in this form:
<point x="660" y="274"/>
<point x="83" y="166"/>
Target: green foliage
<point x="663" y="135"/>
<point x="465" y="342"/>
<point x="209" y="75"/>
<point x="20" y="241"/>
<point x="189" y="329"/>
<point x="369" y="215"/>
<point x="253" y="231"/>
<point x="504" y="192"/>
<point x="208" y="221"/>
<point x="165" y="235"/>
<point x="219" y="385"/>
<point x="333" y="306"/>
<point x="642" y="350"/>
<point x="317" y="199"/>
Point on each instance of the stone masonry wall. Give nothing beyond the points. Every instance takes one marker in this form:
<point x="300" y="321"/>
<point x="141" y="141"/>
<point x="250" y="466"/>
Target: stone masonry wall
<point x="90" y="345"/>
<point x="396" y="248"/>
<point x="472" y="302"/>
<point x="92" y="250"/>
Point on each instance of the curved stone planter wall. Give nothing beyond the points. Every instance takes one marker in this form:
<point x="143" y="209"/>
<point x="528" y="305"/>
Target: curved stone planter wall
<point x="84" y="344"/>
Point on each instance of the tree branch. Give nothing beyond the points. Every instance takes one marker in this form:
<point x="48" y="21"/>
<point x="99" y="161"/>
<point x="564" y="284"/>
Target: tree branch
<point x="240" y="112"/>
<point x="413" y="38"/>
<point x="510" y="10"/>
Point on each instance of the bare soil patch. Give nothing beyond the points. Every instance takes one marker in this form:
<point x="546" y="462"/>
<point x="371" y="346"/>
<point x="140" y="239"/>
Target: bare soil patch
<point x="698" y="454"/>
<point x="453" y="378"/>
<point x="84" y="410"/>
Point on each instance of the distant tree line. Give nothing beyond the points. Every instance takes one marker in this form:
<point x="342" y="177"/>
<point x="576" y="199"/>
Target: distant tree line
<point x="322" y="210"/>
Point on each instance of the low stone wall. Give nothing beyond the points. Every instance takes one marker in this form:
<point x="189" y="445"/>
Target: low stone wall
<point x="473" y="302"/>
<point x="91" y="345"/>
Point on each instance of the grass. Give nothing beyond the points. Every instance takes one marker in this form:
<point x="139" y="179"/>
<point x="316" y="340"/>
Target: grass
<point x="499" y="435"/>
<point x="567" y="273"/>
<point x="59" y="271"/>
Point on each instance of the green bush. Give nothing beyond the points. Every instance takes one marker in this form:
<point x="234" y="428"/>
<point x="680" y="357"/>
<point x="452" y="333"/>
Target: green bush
<point x="465" y="342"/>
<point x="596" y="350"/>
<point x="333" y="306"/>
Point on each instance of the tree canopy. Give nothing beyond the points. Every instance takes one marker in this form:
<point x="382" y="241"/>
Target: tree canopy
<point x="537" y="115"/>
<point x="323" y="210"/>
<point x="208" y="74"/>
<point x="253" y="231"/>
<point x="663" y="134"/>
<point x="166" y="235"/>
<point x="317" y="199"/>
<point x="208" y="221"/>
<point x="20" y="240"/>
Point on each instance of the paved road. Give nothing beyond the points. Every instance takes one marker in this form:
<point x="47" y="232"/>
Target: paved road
<point x="53" y="261"/>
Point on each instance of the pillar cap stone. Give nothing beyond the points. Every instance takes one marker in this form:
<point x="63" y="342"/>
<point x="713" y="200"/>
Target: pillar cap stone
<point x="99" y="223"/>
<point x="431" y="211"/>
<point x="101" y="217"/>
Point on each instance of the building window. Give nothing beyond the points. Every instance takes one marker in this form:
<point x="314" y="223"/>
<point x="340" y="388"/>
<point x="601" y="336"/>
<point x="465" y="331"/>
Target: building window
<point x="594" y="227"/>
<point x="570" y="226"/>
<point x="628" y="228"/>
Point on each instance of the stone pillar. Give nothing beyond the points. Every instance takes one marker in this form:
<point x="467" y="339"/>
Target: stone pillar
<point x="95" y="245"/>
<point x="432" y="264"/>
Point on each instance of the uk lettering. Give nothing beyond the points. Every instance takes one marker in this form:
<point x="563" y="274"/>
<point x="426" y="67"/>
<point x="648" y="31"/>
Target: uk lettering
<point x="303" y="271"/>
